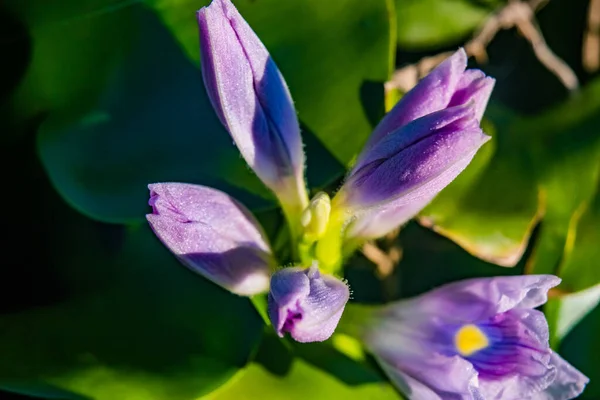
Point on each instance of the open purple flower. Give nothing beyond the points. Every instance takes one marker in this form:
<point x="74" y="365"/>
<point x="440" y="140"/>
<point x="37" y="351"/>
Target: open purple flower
<point x="471" y="340"/>
<point x="306" y="303"/>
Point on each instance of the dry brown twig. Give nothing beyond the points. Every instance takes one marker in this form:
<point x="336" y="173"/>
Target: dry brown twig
<point x="591" y="38"/>
<point x="516" y="14"/>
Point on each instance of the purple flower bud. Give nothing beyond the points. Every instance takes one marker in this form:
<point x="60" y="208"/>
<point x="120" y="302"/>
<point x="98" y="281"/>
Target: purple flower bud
<point x="415" y="162"/>
<point x="212" y="234"/>
<point x="449" y="84"/>
<point x="420" y="146"/>
<point x="306" y="304"/>
<point x="374" y="223"/>
<point x="251" y="99"/>
<point x="474" y="339"/>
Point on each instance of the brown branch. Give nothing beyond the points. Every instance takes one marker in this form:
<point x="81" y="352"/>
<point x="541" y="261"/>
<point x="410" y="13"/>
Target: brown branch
<point x="515" y="14"/>
<point x="591" y="38"/>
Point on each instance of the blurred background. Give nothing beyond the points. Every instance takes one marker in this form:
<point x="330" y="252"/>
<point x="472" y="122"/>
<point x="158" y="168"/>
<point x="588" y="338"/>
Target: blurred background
<point x="98" y="98"/>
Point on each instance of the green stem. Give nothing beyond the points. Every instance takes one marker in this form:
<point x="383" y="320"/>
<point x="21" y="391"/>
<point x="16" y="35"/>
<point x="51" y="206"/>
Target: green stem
<point x="292" y="210"/>
<point x="329" y="247"/>
<point x="260" y="303"/>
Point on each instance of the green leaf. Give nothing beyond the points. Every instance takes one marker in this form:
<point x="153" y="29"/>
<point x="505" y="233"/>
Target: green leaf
<point x="491" y="208"/>
<point x="306" y="371"/>
<point x="545" y="167"/>
<point x="330" y="56"/>
<point x="76" y="44"/>
<point x="565" y="312"/>
<point x="433" y="23"/>
<point x="580" y="347"/>
<point x="131" y="323"/>
<point x="568" y="155"/>
<point x="579" y="264"/>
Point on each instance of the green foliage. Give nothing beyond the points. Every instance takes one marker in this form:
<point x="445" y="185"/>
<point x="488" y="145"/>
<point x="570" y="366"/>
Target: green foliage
<point x="434" y="23"/>
<point x="314" y="371"/>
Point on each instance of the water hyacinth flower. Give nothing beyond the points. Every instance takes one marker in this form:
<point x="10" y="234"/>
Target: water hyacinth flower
<point x="418" y="148"/>
<point x="306" y="303"/>
<point x="252" y="100"/>
<point x="213" y="235"/>
<point x="478" y="339"/>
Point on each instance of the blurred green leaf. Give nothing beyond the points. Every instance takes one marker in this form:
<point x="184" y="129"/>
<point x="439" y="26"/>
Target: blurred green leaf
<point x="579" y="264"/>
<point x="491" y="208"/>
<point x="580" y="348"/>
<point x="76" y="45"/>
<point x="328" y="56"/>
<point x="565" y="312"/>
<point x="433" y="23"/>
<point x="132" y="324"/>
<point x="305" y="371"/>
<point x="545" y="166"/>
<point x="567" y="148"/>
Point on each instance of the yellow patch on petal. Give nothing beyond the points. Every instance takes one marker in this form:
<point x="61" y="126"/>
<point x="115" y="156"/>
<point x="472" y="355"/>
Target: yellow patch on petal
<point x="470" y="339"/>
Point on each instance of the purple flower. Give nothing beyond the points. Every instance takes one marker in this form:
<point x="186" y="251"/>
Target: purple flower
<point x="213" y="235"/>
<point x="252" y="100"/>
<point x="420" y="146"/>
<point x="471" y="340"/>
<point x="306" y="304"/>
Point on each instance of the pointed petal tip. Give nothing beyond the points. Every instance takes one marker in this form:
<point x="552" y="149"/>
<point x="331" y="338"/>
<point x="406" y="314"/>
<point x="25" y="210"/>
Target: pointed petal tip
<point x="459" y="59"/>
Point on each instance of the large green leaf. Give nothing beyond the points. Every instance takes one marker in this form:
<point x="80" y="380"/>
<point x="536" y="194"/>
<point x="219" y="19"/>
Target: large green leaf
<point x="545" y="166"/>
<point x="431" y="23"/>
<point x="491" y="208"/>
<point x="130" y="322"/>
<point x="76" y="44"/>
<point x="565" y="312"/>
<point x="580" y="348"/>
<point x="579" y="265"/>
<point x="308" y="371"/>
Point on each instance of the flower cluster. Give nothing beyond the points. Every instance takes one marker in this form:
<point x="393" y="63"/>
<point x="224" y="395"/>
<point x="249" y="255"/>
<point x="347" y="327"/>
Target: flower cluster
<point x="477" y="339"/>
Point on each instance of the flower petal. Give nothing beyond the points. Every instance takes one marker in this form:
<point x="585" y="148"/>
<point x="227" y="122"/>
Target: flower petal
<point x="479" y="298"/>
<point x="518" y="366"/>
<point x="473" y="86"/>
<point x="212" y="234"/>
<point x="434" y="377"/>
<point x="431" y="94"/>
<point x="251" y="97"/>
<point x="377" y="222"/>
<point x="306" y="304"/>
<point x="568" y="384"/>
<point x="415" y="162"/>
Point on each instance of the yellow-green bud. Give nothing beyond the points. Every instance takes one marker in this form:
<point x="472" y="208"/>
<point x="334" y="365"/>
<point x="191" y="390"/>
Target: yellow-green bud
<point x="315" y="217"/>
